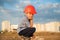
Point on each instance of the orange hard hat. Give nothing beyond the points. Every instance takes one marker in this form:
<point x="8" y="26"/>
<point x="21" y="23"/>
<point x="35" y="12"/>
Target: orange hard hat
<point x="30" y="9"/>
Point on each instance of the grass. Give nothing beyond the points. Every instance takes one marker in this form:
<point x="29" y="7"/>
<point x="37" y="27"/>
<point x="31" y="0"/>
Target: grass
<point x="38" y="36"/>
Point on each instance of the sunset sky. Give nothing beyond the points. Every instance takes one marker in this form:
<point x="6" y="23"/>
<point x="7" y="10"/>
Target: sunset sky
<point x="47" y="10"/>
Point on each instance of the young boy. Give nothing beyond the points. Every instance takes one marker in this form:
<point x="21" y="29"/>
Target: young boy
<point x="26" y="27"/>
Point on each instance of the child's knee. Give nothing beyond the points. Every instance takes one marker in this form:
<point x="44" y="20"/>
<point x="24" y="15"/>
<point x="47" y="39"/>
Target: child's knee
<point x="34" y="29"/>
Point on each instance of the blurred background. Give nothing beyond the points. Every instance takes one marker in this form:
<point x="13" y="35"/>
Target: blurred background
<point x="48" y="13"/>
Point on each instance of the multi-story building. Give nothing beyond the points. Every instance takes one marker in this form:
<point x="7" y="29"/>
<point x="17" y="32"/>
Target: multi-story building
<point x="6" y="26"/>
<point x="14" y="27"/>
<point x="52" y="26"/>
<point x="48" y="27"/>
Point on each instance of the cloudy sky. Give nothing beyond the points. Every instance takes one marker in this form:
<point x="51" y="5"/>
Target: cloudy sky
<point x="47" y="10"/>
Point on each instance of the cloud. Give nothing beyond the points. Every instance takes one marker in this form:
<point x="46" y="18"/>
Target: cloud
<point x="48" y="12"/>
<point x="17" y="6"/>
<point x="57" y="11"/>
<point x="12" y="15"/>
<point x="2" y="10"/>
<point x="35" y="2"/>
<point x="49" y="8"/>
<point x="4" y="14"/>
<point x="12" y="2"/>
<point x="49" y="5"/>
<point x="27" y="2"/>
<point x="21" y="5"/>
<point x="55" y="5"/>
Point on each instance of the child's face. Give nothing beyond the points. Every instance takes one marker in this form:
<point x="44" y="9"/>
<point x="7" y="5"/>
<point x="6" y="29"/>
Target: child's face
<point x="29" y="15"/>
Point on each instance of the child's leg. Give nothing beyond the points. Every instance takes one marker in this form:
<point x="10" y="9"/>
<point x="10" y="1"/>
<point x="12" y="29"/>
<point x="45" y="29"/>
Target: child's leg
<point x="23" y="32"/>
<point x="30" y="32"/>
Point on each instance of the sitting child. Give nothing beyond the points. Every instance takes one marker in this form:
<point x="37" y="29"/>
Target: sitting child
<point x="26" y="28"/>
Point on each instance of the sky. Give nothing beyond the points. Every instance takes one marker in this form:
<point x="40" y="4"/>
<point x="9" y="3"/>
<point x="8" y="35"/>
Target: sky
<point x="47" y="10"/>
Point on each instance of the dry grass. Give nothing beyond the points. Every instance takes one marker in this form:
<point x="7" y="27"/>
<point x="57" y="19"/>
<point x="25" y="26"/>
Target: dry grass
<point x="38" y="36"/>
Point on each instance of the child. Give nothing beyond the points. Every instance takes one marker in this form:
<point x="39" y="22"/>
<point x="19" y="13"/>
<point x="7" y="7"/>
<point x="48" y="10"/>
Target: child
<point x="26" y="27"/>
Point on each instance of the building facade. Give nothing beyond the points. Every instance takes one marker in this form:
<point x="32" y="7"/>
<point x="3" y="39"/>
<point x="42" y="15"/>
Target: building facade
<point x="6" y="26"/>
<point x="48" y="27"/>
<point x="14" y="27"/>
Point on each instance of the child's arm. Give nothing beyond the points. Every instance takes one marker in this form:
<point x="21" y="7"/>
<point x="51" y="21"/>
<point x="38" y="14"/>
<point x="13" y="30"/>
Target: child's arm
<point x="31" y="23"/>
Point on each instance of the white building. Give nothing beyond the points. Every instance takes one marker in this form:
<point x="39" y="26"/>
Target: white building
<point x="14" y="27"/>
<point x="52" y="26"/>
<point x="37" y="26"/>
<point x="6" y="26"/>
<point x="48" y="27"/>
